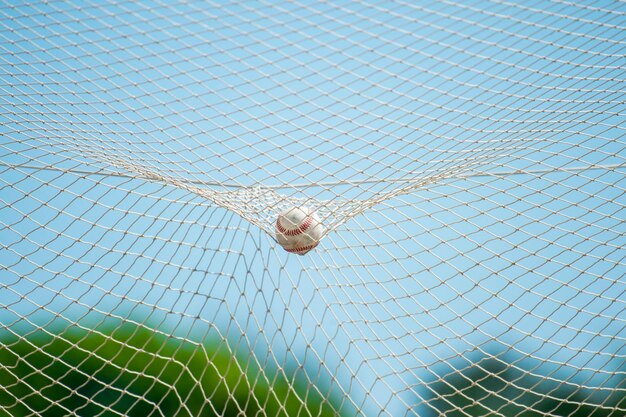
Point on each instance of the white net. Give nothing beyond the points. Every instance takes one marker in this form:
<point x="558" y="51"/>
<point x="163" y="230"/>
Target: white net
<point x="466" y="158"/>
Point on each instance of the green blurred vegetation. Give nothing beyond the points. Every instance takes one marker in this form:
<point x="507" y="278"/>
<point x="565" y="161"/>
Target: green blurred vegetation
<point x="499" y="385"/>
<point x="132" y="370"/>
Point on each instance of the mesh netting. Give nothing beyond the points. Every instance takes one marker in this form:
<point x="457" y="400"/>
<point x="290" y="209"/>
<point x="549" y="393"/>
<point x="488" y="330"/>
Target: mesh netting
<point x="466" y="158"/>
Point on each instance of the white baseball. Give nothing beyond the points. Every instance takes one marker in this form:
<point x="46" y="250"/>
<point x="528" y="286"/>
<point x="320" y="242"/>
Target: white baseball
<point x="298" y="230"/>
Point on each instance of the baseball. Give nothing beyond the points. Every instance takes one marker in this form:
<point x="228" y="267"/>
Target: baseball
<point x="298" y="230"/>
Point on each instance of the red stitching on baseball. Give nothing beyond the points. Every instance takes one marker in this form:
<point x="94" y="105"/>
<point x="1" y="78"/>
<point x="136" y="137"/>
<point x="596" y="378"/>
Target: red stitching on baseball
<point x="301" y="249"/>
<point x="280" y="227"/>
<point x="298" y="231"/>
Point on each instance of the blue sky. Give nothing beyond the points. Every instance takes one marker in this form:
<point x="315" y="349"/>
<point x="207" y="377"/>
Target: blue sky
<point x="334" y="101"/>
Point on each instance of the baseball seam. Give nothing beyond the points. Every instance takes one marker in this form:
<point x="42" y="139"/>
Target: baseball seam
<point x="297" y="231"/>
<point x="301" y="248"/>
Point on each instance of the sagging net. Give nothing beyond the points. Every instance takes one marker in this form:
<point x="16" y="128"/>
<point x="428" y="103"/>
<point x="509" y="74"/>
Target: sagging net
<point x="466" y="158"/>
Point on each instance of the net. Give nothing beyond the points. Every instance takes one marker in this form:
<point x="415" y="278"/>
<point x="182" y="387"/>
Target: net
<point x="466" y="160"/>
